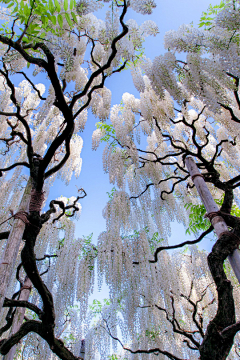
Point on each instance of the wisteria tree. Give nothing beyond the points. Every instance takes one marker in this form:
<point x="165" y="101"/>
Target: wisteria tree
<point x="186" y="108"/>
<point x="39" y="139"/>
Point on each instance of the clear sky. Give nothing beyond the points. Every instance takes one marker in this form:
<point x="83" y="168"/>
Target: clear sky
<point x="168" y="15"/>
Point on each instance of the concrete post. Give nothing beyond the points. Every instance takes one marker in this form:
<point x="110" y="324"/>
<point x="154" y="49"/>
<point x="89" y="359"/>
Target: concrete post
<point x="210" y="206"/>
<point x="11" y="250"/>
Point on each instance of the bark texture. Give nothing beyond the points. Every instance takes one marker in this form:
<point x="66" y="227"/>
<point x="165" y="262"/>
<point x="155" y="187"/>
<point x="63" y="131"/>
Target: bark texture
<point x="220" y="333"/>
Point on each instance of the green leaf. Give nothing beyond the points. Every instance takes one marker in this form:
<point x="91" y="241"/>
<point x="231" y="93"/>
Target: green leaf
<point x="60" y="20"/>
<point x="10" y="5"/>
<point x="74" y="16"/>
<point x="207" y="21"/>
<point x="49" y="16"/>
<point x="54" y="19"/>
<point x="42" y="8"/>
<point x="44" y="20"/>
<point x="51" y="7"/>
<point x="71" y="4"/>
<point x="58" y="7"/>
<point x="38" y="11"/>
<point x="68" y="19"/>
<point x="65" y="5"/>
<point x="34" y="27"/>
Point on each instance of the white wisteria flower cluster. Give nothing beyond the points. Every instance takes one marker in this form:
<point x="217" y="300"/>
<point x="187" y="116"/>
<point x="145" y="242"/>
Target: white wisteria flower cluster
<point x="67" y="264"/>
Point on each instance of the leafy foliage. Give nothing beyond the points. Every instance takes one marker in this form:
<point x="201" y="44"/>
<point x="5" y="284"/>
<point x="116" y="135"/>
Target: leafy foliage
<point x="107" y="129"/>
<point x="208" y="16"/>
<point x="135" y="62"/>
<point x="113" y="357"/>
<point x="197" y="221"/>
<point x="154" y="241"/>
<point x="111" y="193"/>
<point x="49" y="13"/>
<point x="89" y="250"/>
<point x="96" y="307"/>
<point x="152" y="334"/>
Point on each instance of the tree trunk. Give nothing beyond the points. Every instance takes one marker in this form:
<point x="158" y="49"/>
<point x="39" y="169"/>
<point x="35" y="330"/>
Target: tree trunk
<point x="19" y="316"/>
<point x="13" y="244"/>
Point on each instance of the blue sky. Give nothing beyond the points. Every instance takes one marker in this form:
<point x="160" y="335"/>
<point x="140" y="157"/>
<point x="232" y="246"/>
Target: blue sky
<point x="168" y="15"/>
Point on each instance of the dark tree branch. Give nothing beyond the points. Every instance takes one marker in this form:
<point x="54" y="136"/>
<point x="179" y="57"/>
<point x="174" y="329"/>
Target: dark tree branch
<point x="46" y="216"/>
<point x="155" y="351"/>
<point x="7" y="344"/>
<point x="189" y="345"/>
<point x="56" y="345"/>
<point x="176" y="326"/>
<point x="4" y="235"/>
<point x="108" y="63"/>
<point x="236" y="185"/>
<point x="46" y="256"/>
<point x="179" y="178"/>
<point x="13" y="166"/>
<point x="230" y="110"/>
<point x="230" y="331"/>
<point x="22" y="303"/>
<point x="66" y="156"/>
<point x="189" y="242"/>
<point x="18" y="115"/>
<point x="18" y="278"/>
<point x="67" y="111"/>
<point x="20" y="135"/>
<point x="233" y="180"/>
<point x="32" y="84"/>
<point x="227" y="201"/>
<point x="49" y="257"/>
<point x="195" y="312"/>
